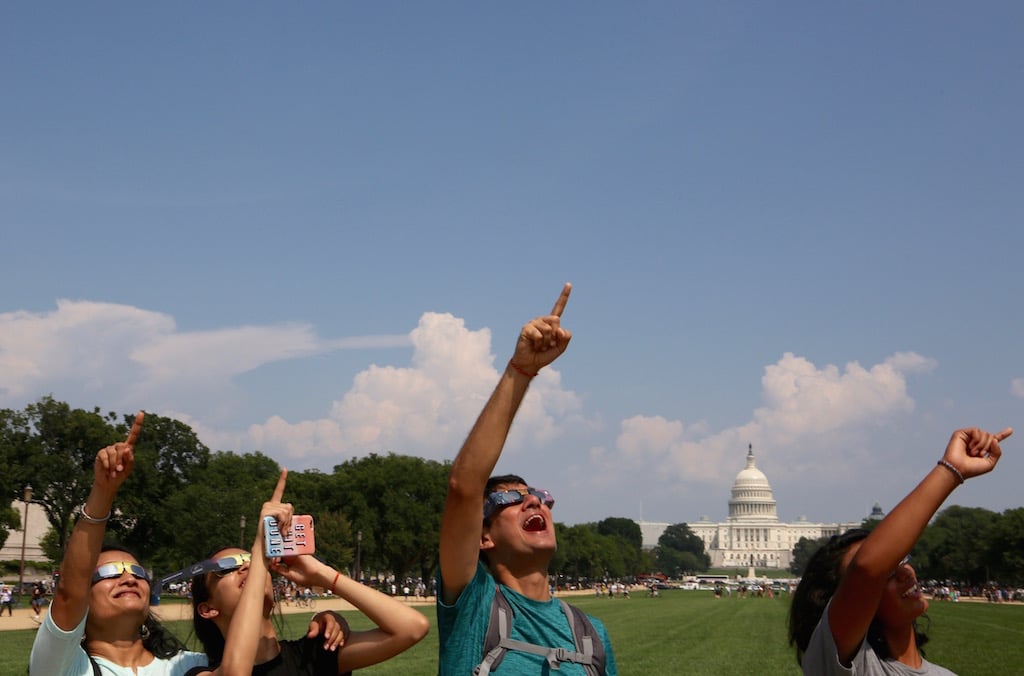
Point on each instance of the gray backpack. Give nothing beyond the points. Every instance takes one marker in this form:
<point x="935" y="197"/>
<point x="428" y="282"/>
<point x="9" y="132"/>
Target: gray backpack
<point x="589" y="648"/>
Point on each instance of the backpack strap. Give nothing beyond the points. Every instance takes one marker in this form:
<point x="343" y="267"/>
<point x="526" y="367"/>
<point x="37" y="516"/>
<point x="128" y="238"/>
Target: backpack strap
<point x="586" y="639"/>
<point x="95" y="666"/>
<point x="499" y="627"/>
<point x="497" y="641"/>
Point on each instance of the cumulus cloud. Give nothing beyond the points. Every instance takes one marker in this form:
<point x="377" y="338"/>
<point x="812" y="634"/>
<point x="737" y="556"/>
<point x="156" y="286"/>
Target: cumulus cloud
<point x="428" y="407"/>
<point x="803" y="404"/>
<point x="124" y="357"/>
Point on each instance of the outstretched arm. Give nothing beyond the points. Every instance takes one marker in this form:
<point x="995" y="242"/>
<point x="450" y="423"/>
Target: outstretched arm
<point x="399" y="626"/>
<point x="971" y="452"/>
<point x="540" y="342"/>
<point x="243" y="635"/>
<point x="113" y="465"/>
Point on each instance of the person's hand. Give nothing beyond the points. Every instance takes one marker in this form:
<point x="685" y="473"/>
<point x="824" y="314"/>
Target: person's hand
<point x="542" y="340"/>
<point x="332" y="626"/>
<point x="302" y="569"/>
<point x="115" y="462"/>
<point x="973" y="451"/>
<point x="282" y="511"/>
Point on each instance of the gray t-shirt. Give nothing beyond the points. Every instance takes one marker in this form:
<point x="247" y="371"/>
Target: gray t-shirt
<point x="822" y="659"/>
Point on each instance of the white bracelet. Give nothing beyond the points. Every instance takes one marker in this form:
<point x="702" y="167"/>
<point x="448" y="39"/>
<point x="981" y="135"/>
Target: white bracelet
<point x="90" y="519"/>
<point x="951" y="468"/>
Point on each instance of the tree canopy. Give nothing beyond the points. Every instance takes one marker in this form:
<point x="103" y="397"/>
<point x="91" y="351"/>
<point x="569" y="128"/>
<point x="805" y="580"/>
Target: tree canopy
<point x="681" y="551"/>
<point x="183" y="500"/>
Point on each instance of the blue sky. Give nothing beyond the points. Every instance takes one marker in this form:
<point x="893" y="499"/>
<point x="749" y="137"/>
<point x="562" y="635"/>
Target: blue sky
<point x="316" y="230"/>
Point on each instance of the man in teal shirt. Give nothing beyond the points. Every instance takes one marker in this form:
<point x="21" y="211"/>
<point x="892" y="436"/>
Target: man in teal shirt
<point x="500" y="530"/>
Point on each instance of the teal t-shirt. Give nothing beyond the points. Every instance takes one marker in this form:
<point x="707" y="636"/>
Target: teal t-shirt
<point x="463" y="626"/>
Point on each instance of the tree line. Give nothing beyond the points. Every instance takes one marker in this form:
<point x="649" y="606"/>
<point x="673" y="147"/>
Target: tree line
<point x="967" y="546"/>
<point x="183" y="500"/>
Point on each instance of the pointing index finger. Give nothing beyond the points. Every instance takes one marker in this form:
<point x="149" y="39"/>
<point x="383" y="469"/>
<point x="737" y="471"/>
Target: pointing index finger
<point x="133" y="435"/>
<point x="563" y="299"/>
<point x="279" y="489"/>
<point x="1004" y="434"/>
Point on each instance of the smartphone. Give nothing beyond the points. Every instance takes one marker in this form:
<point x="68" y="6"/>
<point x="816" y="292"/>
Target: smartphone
<point x="298" y="539"/>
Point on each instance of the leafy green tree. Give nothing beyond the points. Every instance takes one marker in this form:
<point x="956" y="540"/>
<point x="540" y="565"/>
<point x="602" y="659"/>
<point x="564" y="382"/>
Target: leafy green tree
<point x="50" y="544"/>
<point x="9" y="520"/>
<point x="628" y="538"/>
<point x="579" y="553"/>
<point x="168" y="458"/>
<point x="955" y="546"/>
<point x="676" y="540"/>
<point x="14" y="433"/>
<point x="57" y="449"/>
<point x="648" y="563"/>
<point x="206" y="515"/>
<point x="1006" y="548"/>
<point x="803" y="550"/>
<point x="334" y="539"/>
<point x="627" y="529"/>
<point x="396" y="501"/>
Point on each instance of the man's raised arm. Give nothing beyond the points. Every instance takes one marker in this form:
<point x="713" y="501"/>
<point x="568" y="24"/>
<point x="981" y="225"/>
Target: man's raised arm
<point x="540" y="342"/>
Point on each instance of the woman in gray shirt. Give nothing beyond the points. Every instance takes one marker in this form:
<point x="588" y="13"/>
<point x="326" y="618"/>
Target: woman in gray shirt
<point x="855" y="609"/>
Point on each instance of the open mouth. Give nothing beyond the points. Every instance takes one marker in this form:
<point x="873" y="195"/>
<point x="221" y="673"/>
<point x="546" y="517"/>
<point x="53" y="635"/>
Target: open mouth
<point x="535" y="524"/>
<point x="127" y="592"/>
<point x="912" y="593"/>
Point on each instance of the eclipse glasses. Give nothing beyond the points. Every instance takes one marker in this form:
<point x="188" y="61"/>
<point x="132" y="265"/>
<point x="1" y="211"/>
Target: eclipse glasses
<point x="514" y="496"/>
<point x="220" y="567"/>
<point x="117" y="569"/>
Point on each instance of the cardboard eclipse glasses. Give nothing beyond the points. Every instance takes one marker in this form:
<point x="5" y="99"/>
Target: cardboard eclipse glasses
<point x="514" y="496"/>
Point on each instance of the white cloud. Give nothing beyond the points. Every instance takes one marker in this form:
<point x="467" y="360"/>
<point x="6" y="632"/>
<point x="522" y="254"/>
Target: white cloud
<point x="126" y="356"/>
<point x="80" y="343"/>
<point x="803" y="403"/>
<point x="428" y="407"/>
<point x="1017" y="387"/>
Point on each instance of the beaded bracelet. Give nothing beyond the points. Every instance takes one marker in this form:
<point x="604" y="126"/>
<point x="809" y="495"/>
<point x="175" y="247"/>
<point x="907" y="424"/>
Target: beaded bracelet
<point x="951" y="468"/>
<point x="82" y="514"/>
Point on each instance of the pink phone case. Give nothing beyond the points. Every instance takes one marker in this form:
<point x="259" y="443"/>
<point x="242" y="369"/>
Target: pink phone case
<point x="299" y="539"/>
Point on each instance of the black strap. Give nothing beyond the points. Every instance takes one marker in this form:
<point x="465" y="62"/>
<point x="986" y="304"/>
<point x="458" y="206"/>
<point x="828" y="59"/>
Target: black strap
<point x="95" y="666"/>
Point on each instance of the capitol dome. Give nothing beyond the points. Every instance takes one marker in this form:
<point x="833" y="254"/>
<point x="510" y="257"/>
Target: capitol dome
<point x="752" y="498"/>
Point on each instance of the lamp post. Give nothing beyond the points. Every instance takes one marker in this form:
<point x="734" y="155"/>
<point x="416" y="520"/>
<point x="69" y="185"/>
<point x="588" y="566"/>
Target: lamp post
<point x="27" y="495"/>
<point x="241" y="532"/>
<point x="359" y="548"/>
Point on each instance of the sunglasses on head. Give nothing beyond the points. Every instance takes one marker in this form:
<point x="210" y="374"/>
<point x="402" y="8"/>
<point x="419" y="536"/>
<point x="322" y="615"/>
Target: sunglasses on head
<point x="220" y="566"/>
<point x="117" y="569"/>
<point x="514" y="496"/>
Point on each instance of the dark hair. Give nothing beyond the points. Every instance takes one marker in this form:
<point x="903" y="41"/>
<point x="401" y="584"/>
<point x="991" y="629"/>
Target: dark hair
<point x="819" y="582"/>
<point x="156" y="638"/>
<point x="204" y="629"/>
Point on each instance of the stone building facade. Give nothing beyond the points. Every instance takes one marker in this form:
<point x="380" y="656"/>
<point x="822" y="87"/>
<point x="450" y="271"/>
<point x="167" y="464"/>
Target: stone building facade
<point x="752" y="535"/>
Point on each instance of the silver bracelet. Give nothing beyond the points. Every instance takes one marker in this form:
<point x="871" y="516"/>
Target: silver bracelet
<point x="951" y="468"/>
<point x="90" y="519"/>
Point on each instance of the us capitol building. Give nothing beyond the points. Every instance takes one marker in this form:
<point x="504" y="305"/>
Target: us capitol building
<point x="752" y="535"/>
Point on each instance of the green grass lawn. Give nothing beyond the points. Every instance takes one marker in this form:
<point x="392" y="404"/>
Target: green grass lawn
<point x="684" y="633"/>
